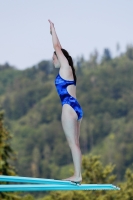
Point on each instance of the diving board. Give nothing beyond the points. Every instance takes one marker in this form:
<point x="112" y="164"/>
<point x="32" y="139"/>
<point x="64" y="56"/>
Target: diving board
<point x="49" y="184"/>
<point x="33" y="180"/>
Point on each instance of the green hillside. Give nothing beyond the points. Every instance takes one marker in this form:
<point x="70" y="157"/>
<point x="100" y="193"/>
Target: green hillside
<point x="33" y="115"/>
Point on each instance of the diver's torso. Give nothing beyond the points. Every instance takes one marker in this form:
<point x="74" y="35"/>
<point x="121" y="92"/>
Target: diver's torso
<point x="68" y="75"/>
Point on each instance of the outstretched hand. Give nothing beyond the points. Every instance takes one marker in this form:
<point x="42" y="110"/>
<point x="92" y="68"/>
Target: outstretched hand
<point x="51" y="26"/>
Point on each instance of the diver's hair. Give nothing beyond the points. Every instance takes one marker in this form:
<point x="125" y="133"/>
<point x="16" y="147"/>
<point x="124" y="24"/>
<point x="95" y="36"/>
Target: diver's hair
<point x="70" y="61"/>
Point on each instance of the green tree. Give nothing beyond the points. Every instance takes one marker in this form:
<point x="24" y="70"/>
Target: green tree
<point x="129" y="52"/>
<point x="106" y="55"/>
<point x="5" y="149"/>
<point x="93" y="60"/>
<point x="6" y="152"/>
<point x="95" y="173"/>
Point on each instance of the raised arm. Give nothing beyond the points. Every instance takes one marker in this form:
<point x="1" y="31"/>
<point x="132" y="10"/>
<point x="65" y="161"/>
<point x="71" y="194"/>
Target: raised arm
<point x="54" y="36"/>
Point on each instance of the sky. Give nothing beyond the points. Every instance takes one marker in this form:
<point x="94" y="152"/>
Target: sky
<point x="81" y="26"/>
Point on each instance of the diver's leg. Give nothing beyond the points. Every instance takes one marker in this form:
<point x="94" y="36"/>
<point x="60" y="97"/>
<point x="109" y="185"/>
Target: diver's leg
<point x="70" y="124"/>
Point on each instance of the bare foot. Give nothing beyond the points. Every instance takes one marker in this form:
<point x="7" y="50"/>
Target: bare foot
<point x="73" y="178"/>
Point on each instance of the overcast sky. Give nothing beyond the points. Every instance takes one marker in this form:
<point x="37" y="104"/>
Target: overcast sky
<point x="81" y="26"/>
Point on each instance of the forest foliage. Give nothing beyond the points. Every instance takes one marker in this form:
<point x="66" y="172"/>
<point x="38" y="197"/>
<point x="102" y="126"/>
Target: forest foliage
<point x="32" y="111"/>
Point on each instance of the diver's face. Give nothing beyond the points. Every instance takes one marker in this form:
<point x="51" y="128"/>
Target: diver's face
<point x="55" y="61"/>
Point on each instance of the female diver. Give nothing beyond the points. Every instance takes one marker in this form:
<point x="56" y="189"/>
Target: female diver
<point x="72" y="113"/>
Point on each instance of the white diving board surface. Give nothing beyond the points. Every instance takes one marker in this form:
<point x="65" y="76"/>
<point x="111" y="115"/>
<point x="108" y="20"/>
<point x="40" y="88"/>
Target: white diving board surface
<point x="48" y="184"/>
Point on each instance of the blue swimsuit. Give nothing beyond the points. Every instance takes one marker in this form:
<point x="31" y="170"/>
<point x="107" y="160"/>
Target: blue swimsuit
<point x="61" y="85"/>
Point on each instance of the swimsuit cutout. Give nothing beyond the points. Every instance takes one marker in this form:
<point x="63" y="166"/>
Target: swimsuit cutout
<point x="61" y="85"/>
